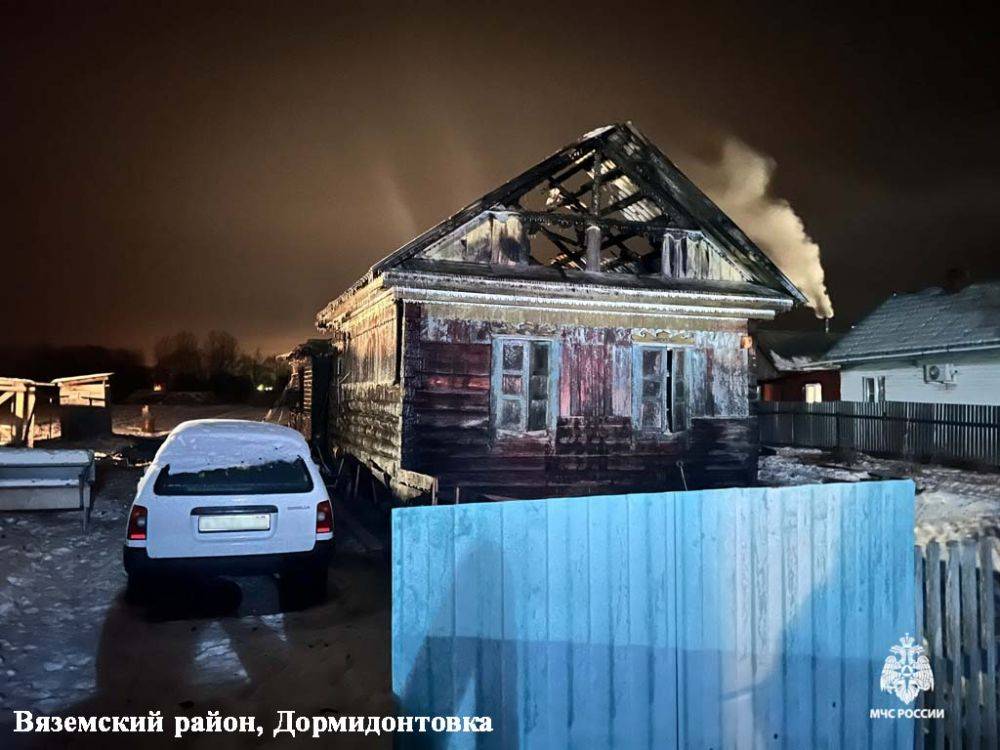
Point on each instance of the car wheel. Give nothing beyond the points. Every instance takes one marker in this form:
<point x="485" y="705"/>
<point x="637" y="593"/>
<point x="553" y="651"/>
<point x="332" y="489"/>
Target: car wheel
<point x="137" y="589"/>
<point x="315" y="582"/>
<point x="303" y="588"/>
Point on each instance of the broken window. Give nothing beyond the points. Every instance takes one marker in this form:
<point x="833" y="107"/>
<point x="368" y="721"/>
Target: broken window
<point x="873" y="389"/>
<point x="652" y="402"/>
<point x="524" y="385"/>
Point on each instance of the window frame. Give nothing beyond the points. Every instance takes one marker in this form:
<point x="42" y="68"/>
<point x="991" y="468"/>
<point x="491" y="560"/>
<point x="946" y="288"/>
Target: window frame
<point x="812" y="386"/>
<point x="666" y="386"/>
<point x="877" y="389"/>
<point x="497" y="397"/>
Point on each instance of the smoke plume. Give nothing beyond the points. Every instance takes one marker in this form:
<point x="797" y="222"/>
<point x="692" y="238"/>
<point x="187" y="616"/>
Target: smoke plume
<point x="739" y="183"/>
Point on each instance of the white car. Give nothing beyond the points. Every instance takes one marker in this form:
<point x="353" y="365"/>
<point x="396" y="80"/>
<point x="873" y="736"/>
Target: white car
<point x="226" y="496"/>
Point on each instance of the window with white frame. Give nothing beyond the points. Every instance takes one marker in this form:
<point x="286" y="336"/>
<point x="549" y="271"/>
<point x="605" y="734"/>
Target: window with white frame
<point x="524" y="385"/>
<point x="812" y="393"/>
<point x="873" y="389"/>
<point x="651" y="403"/>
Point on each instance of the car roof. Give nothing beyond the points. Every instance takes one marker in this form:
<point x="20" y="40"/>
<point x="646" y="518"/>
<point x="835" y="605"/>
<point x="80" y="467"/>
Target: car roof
<point x="217" y="443"/>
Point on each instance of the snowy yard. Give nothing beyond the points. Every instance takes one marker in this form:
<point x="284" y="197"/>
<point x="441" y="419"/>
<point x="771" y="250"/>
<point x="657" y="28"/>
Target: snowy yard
<point x="951" y="503"/>
<point x="70" y="644"/>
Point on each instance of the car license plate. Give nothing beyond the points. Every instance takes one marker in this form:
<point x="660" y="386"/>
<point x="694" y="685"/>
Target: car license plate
<point x="235" y="522"/>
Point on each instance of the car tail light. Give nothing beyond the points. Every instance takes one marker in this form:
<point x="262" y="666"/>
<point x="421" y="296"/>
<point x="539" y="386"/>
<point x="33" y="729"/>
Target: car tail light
<point x="137" y="524"/>
<point x="324" y="517"/>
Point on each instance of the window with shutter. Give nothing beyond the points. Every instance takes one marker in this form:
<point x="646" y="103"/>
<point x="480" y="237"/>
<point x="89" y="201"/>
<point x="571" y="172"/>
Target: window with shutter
<point x="651" y="388"/>
<point x="524" y="384"/>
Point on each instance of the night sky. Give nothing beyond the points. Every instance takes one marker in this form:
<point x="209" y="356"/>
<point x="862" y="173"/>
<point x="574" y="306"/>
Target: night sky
<point x="169" y="166"/>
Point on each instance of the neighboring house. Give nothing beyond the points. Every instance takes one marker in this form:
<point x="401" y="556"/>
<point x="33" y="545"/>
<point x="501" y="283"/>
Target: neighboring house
<point x="933" y="346"/>
<point x="582" y="328"/>
<point x="787" y="368"/>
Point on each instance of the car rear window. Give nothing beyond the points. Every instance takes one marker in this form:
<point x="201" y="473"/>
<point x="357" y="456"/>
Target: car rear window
<point x="276" y="477"/>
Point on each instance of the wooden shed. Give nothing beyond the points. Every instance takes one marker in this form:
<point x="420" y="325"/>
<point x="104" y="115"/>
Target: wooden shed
<point x="84" y="405"/>
<point x="580" y="329"/>
<point x="303" y="405"/>
<point x="19" y="398"/>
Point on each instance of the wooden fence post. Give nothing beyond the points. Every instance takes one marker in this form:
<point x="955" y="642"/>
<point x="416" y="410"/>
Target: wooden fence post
<point x="921" y="575"/>
<point x="953" y="646"/>
<point x="970" y="643"/>
<point x="935" y="642"/>
<point x="987" y="609"/>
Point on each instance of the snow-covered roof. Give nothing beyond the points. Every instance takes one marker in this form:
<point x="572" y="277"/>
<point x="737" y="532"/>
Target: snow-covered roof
<point x="203" y="444"/>
<point x="929" y="322"/>
<point x="81" y="379"/>
<point x="793" y="351"/>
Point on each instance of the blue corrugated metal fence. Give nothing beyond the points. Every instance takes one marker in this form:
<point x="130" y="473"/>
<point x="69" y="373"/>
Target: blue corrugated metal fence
<point x="722" y="618"/>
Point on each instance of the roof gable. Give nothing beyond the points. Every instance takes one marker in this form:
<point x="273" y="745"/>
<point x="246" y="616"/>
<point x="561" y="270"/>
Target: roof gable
<point x="613" y="178"/>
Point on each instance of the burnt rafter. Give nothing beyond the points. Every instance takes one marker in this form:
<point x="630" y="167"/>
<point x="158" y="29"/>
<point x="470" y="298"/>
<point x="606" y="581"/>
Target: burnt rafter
<point x="588" y="187"/>
<point x="623" y="203"/>
<point x="571" y="198"/>
<point x="534" y="219"/>
<point x="563" y="243"/>
<point x="568" y="198"/>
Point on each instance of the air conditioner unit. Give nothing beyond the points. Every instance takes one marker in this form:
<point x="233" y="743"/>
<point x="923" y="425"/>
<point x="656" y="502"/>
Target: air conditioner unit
<point x="939" y="373"/>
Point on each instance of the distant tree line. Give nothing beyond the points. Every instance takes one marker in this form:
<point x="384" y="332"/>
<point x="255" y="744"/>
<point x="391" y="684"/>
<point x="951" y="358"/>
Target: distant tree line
<point x="217" y="364"/>
<point x="180" y="363"/>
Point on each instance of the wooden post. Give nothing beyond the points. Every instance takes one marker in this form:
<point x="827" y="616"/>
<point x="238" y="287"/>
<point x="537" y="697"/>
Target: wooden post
<point x="19" y="417"/>
<point x="29" y="439"/>
<point x="666" y="253"/>
<point x="594" y="238"/>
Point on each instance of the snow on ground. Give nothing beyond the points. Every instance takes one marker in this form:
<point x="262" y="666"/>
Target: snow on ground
<point x="127" y="419"/>
<point x="952" y="503"/>
<point x="69" y="644"/>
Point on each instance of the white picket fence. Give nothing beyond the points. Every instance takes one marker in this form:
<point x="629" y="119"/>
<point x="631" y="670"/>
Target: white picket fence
<point x="957" y="613"/>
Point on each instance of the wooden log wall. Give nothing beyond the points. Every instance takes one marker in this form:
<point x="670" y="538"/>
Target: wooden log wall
<point x="447" y="422"/>
<point x="365" y="398"/>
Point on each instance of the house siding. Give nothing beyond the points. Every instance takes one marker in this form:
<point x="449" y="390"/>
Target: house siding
<point x="977" y="379"/>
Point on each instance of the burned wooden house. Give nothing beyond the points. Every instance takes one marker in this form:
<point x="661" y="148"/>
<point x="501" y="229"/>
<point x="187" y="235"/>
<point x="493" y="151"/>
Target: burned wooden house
<point x="580" y="329"/>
